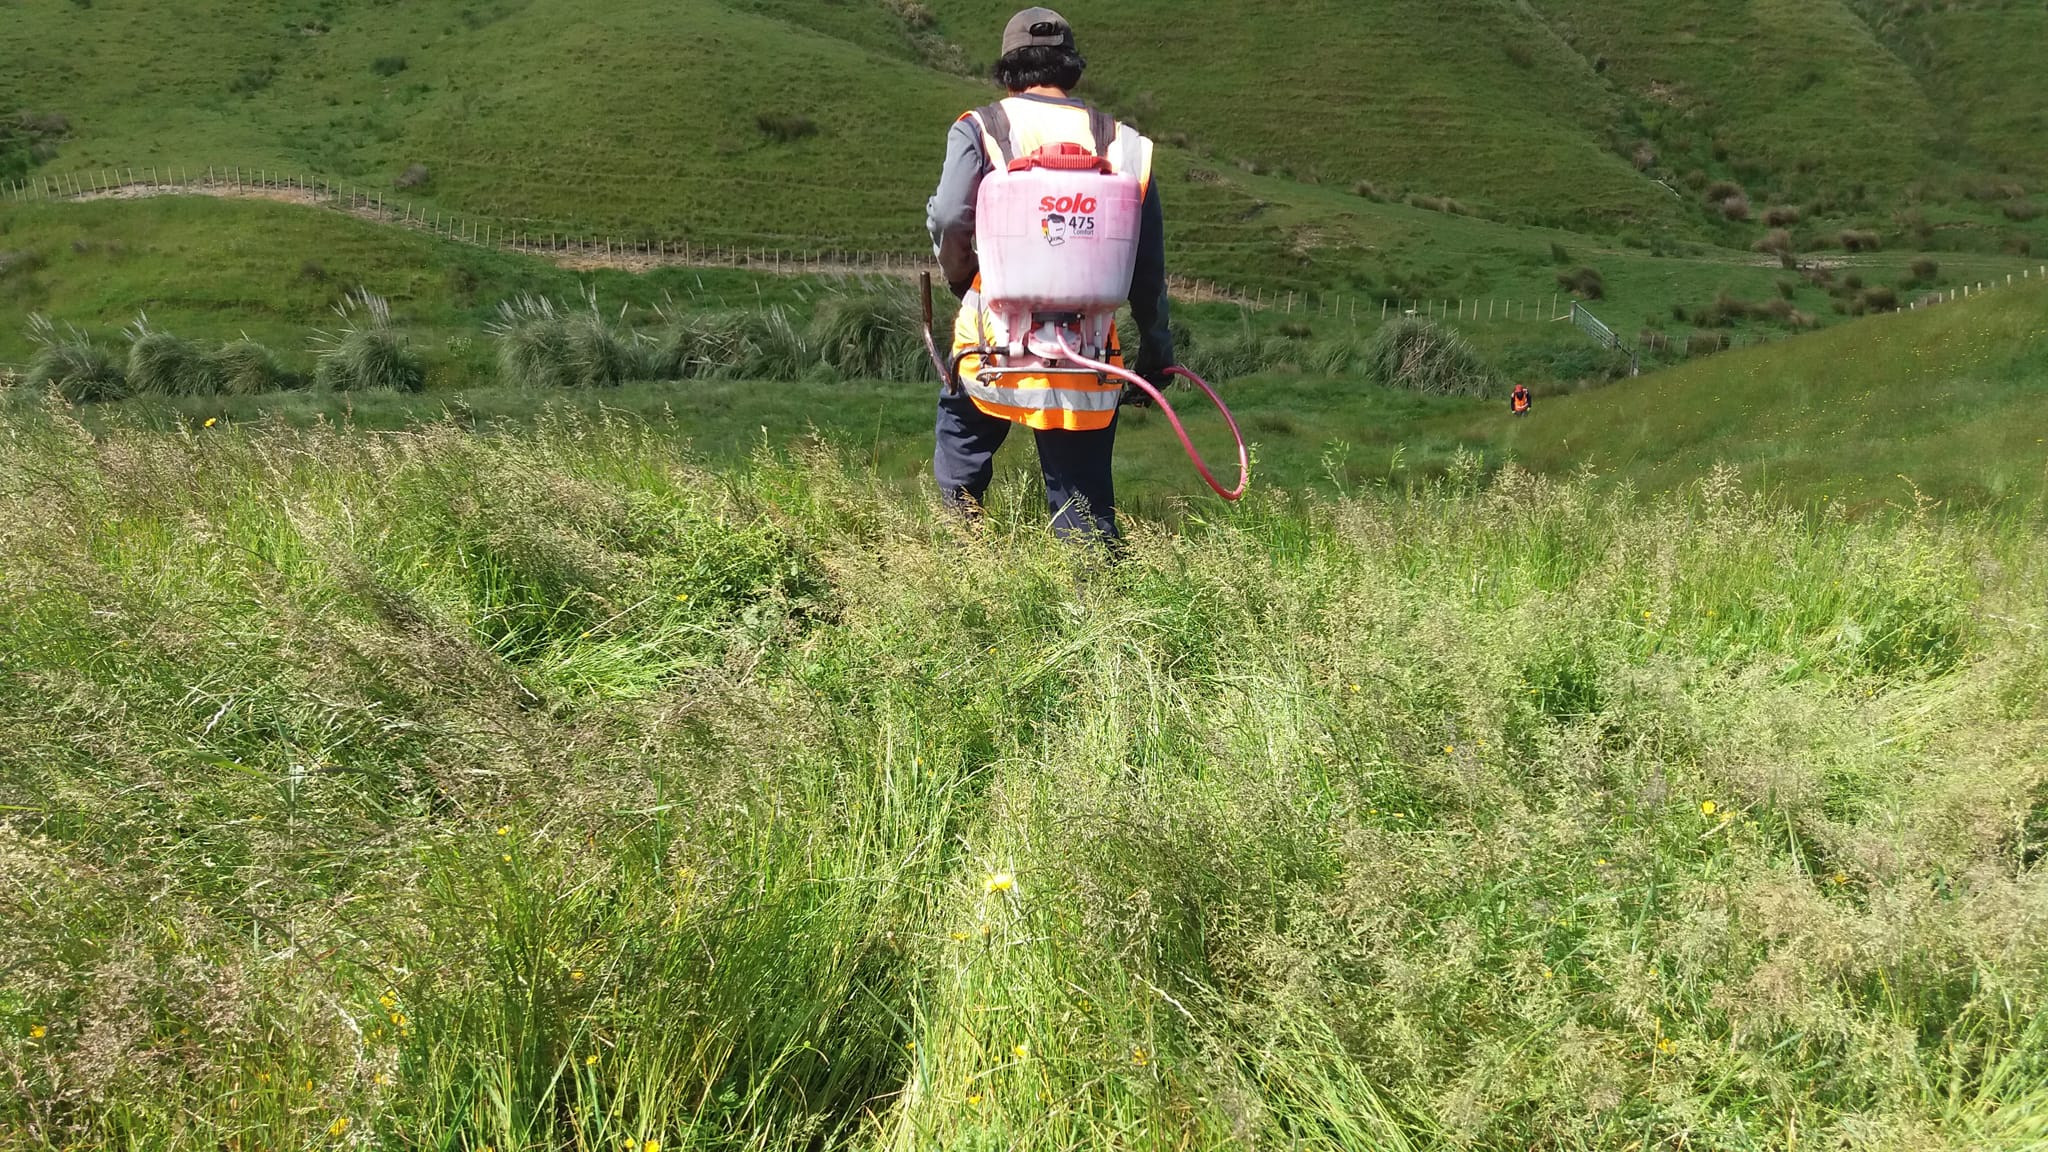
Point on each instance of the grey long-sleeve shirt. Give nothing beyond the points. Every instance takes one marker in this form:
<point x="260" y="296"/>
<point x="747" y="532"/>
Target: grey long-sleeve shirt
<point x="949" y="216"/>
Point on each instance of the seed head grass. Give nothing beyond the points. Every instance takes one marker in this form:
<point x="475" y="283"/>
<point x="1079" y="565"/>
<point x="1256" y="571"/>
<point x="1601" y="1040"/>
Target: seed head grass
<point x="390" y="778"/>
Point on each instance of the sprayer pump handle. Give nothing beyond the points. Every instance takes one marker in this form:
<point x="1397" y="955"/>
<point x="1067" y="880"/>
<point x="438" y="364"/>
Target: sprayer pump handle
<point x="1062" y="158"/>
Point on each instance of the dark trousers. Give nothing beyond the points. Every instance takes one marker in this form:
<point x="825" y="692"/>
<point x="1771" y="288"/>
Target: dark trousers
<point x="1078" y="487"/>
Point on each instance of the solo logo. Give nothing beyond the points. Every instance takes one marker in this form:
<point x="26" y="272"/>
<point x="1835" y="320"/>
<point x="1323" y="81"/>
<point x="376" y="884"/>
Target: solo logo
<point x="1067" y="217"/>
<point x="1068" y="205"/>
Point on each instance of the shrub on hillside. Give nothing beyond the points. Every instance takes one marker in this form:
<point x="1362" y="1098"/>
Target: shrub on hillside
<point x="1520" y="54"/>
<point x="414" y="176"/>
<point x="1643" y="156"/>
<point x="1787" y="289"/>
<point x="1879" y="299"/>
<point x="366" y="352"/>
<point x="1704" y="343"/>
<point x="785" y="128"/>
<point x="79" y="367"/>
<point x="388" y="65"/>
<point x="2021" y="211"/>
<point x="1559" y="254"/>
<point x="1585" y="283"/>
<point x="1721" y="191"/>
<point x="1781" y="216"/>
<point x="1419" y="356"/>
<point x="1858" y="240"/>
<point x="1778" y="242"/>
<point x="1925" y="270"/>
<point x="1735" y="208"/>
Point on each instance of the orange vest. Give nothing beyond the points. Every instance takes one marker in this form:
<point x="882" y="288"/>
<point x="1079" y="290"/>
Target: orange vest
<point x="1074" y="401"/>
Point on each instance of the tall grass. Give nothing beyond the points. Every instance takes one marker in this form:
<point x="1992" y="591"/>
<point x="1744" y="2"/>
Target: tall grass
<point x="73" y="363"/>
<point x="542" y="345"/>
<point x="366" y="351"/>
<point x="1419" y="356"/>
<point x="549" y="791"/>
<point x="160" y="364"/>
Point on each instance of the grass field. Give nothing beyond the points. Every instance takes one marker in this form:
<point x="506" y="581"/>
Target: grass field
<point x="555" y="790"/>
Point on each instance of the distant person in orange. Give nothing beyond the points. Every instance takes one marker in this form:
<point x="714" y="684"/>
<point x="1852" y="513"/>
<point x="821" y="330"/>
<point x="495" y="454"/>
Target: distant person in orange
<point x="1519" y="403"/>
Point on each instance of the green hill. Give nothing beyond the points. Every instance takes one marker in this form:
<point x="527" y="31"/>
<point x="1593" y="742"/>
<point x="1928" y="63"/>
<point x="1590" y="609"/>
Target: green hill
<point x="802" y="123"/>
<point x="1946" y="400"/>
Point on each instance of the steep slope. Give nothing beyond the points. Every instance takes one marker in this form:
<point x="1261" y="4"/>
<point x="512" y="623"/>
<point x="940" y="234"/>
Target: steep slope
<point x="1798" y="97"/>
<point x="1474" y="99"/>
<point x="1982" y="62"/>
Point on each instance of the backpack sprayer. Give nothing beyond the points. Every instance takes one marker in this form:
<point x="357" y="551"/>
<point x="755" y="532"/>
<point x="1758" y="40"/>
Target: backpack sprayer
<point x="1057" y="235"/>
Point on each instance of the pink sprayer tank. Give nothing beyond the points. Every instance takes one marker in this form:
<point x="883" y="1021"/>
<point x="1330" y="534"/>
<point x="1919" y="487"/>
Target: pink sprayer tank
<point x="1057" y="241"/>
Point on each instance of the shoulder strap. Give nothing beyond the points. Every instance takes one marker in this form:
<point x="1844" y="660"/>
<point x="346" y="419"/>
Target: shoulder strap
<point x="1103" y="127"/>
<point x="995" y="120"/>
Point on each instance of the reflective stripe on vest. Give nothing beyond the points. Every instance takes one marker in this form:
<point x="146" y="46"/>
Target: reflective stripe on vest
<point x="1068" y="401"/>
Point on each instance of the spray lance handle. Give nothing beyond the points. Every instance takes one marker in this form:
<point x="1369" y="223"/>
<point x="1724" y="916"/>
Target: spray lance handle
<point x="947" y="376"/>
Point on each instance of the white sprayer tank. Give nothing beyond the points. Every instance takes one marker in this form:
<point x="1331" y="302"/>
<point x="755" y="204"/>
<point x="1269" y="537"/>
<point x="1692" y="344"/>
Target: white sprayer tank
<point x="1056" y="241"/>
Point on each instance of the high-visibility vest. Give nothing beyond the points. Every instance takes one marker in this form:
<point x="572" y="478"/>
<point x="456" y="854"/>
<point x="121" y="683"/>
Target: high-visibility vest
<point x="1072" y="401"/>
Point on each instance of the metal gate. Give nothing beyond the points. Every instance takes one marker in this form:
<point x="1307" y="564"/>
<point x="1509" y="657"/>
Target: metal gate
<point x="1592" y="326"/>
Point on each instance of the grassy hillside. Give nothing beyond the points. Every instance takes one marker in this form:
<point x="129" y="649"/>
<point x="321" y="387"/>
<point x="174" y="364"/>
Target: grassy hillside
<point x="1980" y="61"/>
<point x="1798" y="96"/>
<point x="800" y="123"/>
<point x="554" y="791"/>
<point x="1947" y="400"/>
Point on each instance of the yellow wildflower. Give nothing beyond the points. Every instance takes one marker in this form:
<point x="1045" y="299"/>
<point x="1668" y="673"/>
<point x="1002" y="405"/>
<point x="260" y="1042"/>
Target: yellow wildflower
<point x="974" y="1099"/>
<point x="1841" y="877"/>
<point x="1708" y="808"/>
<point x="651" y="1146"/>
<point x="911" y="1046"/>
<point x="339" y="1126"/>
<point x="37" y="1032"/>
<point x="507" y="857"/>
<point x="1000" y="882"/>
<point x="1450" y="748"/>
<point x="1667" y="1046"/>
<point x="1354" y="688"/>
<point x="1547" y="973"/>
<point x="682" y="596"/>
<point x="504" y="829"/>
<point x="388" y="1001"/>
<point x="590" y="1060"/>
<point x="1140" y="1057"/>
<point x="576" y="975"/>
<point x="1022" y="1051"/>
<point x="210" y="422"/>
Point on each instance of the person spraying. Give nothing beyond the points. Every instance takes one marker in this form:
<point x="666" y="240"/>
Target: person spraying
<point x="1045" y="221"/>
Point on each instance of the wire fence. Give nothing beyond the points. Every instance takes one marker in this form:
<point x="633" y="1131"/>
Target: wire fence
<point x="581" y="248"/>
<point x="577" y="248"/>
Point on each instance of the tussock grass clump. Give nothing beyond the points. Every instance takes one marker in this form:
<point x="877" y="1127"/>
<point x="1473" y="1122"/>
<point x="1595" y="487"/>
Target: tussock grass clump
<point x="1778" y="242"/>
<point x="1781" y="216"/>
<point x="1585" y="283"/>
<point x="77" y="366"/>
<point x="160" y="364"/>
<point x="366" y="351"/>
<point x="245" y="368"/>
<point x="542" y="345"/>
<point x="646" y="802"/>
<point x="1419" y="356"/>
<point x="1859" y="240"/>
<point x="871" y="334"/>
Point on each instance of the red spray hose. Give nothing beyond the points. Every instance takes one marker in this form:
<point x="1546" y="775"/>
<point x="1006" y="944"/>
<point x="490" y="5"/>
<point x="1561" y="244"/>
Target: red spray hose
<point x="1244" y="460"/>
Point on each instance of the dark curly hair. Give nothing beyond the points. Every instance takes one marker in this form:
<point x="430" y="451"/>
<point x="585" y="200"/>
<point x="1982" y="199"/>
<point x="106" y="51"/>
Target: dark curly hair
<point x="1040" y="65"/>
